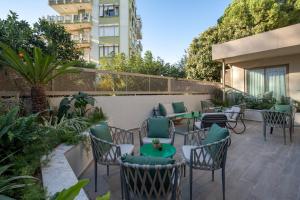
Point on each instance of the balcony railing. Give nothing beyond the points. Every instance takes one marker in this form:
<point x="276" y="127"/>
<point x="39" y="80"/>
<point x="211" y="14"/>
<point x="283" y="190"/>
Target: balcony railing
<point x="55" y="2"/>
<point x="81" y="38"/>
<point x="70" y="19"/>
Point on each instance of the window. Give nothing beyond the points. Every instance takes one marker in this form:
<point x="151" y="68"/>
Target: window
<point x="109" y="10"/>
<point x="268" y="79"/>
<point x="109" y="31"/>
<point x="108" y="51"/>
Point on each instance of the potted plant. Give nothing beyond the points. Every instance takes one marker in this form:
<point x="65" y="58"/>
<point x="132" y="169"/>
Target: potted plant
<point x="156" y="144"/>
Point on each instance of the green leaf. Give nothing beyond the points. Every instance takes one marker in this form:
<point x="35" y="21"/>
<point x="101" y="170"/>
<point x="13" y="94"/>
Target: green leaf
<point x="72" y="192"/>
<point x="104" y="197"/>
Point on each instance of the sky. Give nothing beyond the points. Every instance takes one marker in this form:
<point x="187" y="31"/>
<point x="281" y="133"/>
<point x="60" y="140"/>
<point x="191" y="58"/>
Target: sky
<point x="169" y="26"/>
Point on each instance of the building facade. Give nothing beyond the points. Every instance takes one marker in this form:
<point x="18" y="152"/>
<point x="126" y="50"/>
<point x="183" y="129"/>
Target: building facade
<point x="101" y="28"/>
<point x="263" y="62"/>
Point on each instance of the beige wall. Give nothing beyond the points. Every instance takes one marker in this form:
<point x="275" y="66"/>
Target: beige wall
<point x="282" y="41"/>
<point x="293" y="76"/>
<point x="130" y="111"/>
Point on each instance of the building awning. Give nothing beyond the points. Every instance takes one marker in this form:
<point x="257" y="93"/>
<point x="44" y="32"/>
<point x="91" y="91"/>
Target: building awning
<point x="280" y="42"/>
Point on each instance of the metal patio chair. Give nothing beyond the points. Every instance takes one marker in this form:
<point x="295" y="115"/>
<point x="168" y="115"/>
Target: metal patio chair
<point x="208" y="119"/>
<point x="208" y="157"/>
<point x="143" y="133"/>
<point x="107" y="153"/>
<point x="141" y="182"/>
<point x="274" y="119"/>
<point x="235" y="116"/>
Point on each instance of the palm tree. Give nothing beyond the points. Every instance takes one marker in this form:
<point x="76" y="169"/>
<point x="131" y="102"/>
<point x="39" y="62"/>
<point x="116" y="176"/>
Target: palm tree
<point x="37" y="70"/>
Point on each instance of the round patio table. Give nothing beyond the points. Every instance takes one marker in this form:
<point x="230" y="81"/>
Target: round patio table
<point x="191" y="116"/>
<point x="167" y="151"/>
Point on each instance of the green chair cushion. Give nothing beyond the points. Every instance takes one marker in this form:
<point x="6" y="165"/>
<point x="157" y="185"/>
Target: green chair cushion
<point x="162" y="109"/>
<point x="147" y="160"/>
<point x="178" y="107"/>
<point x="283" y="108"/>
<point x="215" y="134"/>
<point x="158" y="127"/>
<point x="102" y="132"/>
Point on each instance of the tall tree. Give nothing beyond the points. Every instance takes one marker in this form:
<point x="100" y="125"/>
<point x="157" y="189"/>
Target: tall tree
<point x="51" y="38"/>
<point x="242" y="18"/>
<point x="57" y="41"/>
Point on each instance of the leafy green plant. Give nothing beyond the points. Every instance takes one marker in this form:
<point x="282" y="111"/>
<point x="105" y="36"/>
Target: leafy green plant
<point x="9" y="183"/>
<point x="96" y="116"/>
<point x="37" y="71"/>
<point x="155" y="141"/>
<point x="72" y="192"/>
<point x="104" y="197"/>
<point x="80" y="105"/>
<point x="29" y="140"/>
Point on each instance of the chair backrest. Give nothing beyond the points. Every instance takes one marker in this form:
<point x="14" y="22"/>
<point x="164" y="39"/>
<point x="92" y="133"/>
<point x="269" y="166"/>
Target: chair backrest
<point x="104" y="152"/>
<point x="144" y="128"/>
<point x="275" y="119"/>
<point x="208" y="119"/>
<point x="151" y="181"/>
<point x="211" y="156"/>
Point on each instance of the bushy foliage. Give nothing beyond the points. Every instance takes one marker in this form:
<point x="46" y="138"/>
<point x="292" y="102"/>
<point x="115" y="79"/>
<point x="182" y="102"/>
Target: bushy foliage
<point x="28" y="139"/>
<point x="242" y="18"/>
<point x="51" y="38"/>
<point x="144" y="65"/>
<point x="80" y="105"/>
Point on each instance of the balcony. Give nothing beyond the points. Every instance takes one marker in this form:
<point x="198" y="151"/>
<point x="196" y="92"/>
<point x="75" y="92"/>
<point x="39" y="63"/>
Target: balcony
<point x="139" y="28"/>
<point x="81" y="40"/>
<point x="70" y="6"/>
<point x="139" y="46"/>
<point x="73" y="22"/>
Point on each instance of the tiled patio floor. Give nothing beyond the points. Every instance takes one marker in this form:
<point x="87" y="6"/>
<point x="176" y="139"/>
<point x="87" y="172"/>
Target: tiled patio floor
<point x="255" y="170"/>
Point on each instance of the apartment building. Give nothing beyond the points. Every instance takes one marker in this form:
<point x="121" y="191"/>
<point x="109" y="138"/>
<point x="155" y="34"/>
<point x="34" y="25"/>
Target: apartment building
<point x="101" y="28"/>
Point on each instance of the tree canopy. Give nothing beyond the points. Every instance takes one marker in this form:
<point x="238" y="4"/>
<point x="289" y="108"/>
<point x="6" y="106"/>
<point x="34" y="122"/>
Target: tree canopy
<point x="241" y="18"/>
<point x="144" y="65"/>
<point x="51" y="38"/>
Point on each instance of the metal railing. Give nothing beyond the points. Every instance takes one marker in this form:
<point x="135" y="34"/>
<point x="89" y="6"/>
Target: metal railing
<point x="54" y="2"/>
<point x="101" y="82"/>
<point x="81" y="38"/>
<point x="70" y="19"/>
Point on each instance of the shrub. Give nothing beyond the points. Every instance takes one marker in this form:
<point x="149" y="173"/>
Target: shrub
<point x="28" y="139"/>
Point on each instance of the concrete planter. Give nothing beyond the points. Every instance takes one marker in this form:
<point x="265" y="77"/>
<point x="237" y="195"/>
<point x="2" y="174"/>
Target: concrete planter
<point x="253" y="115"/>
<point x="63" y="166"/>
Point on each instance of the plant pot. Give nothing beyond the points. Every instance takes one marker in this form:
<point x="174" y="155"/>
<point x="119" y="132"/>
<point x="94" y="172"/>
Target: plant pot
<point x="156" y="146"/>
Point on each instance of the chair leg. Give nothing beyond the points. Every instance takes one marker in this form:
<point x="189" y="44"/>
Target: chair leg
<point x="122" y="184"/>
<point x="271" y="130"/>
<point x="95" y="174"/>
<point x="107" y="170"/>
<point x="291" y="132"/>
<point x="284" y="135"/>
<point x="184" y="170"/>
<point x="223" y="182"/>
<point x="213" y="175"/>
<point x="264" y="131"/>
<point x="191" y="183"/>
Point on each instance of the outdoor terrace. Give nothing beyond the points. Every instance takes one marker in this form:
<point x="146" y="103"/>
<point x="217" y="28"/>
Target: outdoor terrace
<point x="255" y="169"/>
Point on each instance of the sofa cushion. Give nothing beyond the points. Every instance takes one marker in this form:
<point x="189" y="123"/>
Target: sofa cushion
<point x="215" y="134"/>
<point x="102" y="132"/>
<point x="283" y="108"/>
<point x="158" y="127"/>
<point x="162" y="109"/>
<point x="178" y="107"/>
